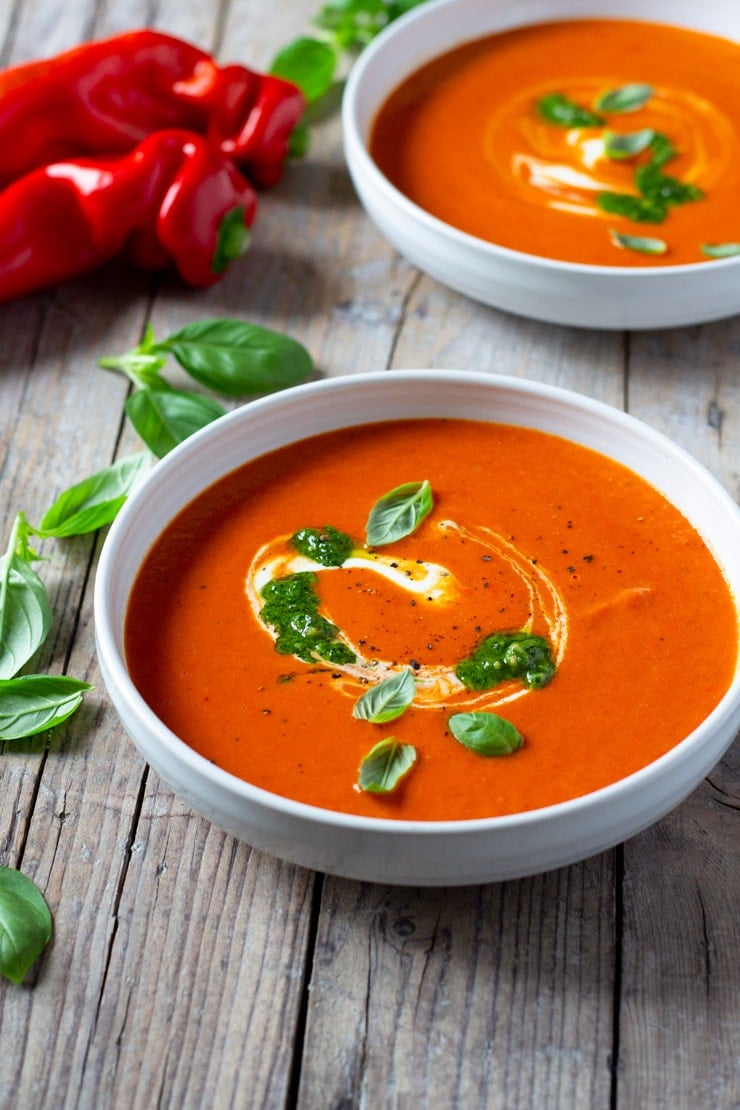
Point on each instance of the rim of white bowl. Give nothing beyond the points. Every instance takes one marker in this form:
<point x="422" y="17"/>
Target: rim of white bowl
<point x="355" y="140"/>
<point x="115" y="672"/>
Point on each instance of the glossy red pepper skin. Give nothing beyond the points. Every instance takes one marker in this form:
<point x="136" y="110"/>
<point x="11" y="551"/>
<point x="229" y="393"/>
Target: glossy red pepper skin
<point x="164" y="201"/>
<point x="107" y="96"/>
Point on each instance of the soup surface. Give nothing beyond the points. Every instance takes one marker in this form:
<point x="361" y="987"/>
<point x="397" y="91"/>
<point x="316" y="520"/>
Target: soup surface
<point x="608" y="142"/>
<point x="527" y="535"/>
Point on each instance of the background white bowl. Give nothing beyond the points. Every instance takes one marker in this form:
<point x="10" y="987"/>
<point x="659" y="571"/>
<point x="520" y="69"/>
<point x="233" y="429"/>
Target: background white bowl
<point x="419" y="853"/>
<point x="558" y="292"/>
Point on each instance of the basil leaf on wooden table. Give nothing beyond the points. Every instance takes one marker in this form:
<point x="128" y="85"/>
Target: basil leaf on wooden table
<point x="485" y="733"/>
<point x="33" y="703"/>
<point x="25" y="924"/>
<point x="94" y="502"/>
<point x="308" y="63"/>
<point x="398" y="513"/>
<point x="385" y="766"/>
<point x="235" y="359"/>
<point x="386" y="701"/>
<point x="165" y="417"/>
<point x="25" y="612"/>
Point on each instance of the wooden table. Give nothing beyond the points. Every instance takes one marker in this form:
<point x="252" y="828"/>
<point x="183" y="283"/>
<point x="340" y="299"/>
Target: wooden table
<point x="190" y="971"/>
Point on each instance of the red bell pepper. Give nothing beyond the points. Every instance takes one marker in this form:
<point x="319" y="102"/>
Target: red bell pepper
<point x="107" y="96"/>
<point x="174" y="197"/>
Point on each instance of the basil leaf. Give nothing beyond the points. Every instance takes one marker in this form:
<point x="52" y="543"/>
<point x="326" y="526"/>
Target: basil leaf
<point x="485" y="733"/>
<point x="398" y="513"/>
<point x="36" y="702"/>
<point x="556" y="108"/>
<point x="720" y="250"/>
<point x="165" y="417"/>
<point x="385" y="766"/>
<point x="308" y="63"/>
<point x="628" y="98"/>
<point x="644" y="245"/>
<point x="644" y="210"/>
<point x="386" y="701"/>
<point x="25" y="924"/>
<point x="94" y="502"/>
<point x="235" y="358"/>
<point x="25" y="612"/>
<point x="620" y="145"/>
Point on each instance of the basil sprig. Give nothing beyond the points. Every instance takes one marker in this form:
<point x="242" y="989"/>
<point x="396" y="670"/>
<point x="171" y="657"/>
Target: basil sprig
<point x="385" y="766"/>
<point x="485" y="733"/>
<point x="398" y="513"/>
<point x="25" y="924"/>
<point x="228" y="356"/>
<point x="386" y="701"/>
<point x="626" y="144"/>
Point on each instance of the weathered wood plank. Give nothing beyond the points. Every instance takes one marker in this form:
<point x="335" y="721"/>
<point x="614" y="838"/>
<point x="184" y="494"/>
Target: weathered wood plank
<point x="679" y="1030"/>
<point x="493" y="996"/>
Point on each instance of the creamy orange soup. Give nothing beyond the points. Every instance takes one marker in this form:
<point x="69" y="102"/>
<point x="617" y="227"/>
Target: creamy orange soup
<point x="470" y="138"/>
<point x="527" y="533"/>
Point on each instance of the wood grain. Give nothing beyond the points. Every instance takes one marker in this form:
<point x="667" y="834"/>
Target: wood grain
<point x="188" y="970"/>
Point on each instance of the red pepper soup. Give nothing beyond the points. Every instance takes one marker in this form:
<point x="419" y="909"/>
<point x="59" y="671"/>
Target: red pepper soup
<point x="607" y="142"/>
<point x="431" y="619"/>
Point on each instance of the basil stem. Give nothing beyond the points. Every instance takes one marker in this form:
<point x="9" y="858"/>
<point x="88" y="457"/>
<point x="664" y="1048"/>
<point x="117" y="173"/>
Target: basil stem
<point x="25" y="612"/>
<point x="386" y="701"/>
<point x="95" y="501"/>
<point x="639" y="243"/>
<point x="628" y="98"/>
<point x="25" y="924"/>
<point x="398" y="513"/>
<point x="485" y="733"/>
<point x="34" y="703"/>
<point x="385" y="766"/>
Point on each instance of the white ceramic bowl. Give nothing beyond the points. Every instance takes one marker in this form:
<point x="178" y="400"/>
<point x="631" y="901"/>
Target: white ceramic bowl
<point x="559" y="292"/>
<point x="420" y="853"/>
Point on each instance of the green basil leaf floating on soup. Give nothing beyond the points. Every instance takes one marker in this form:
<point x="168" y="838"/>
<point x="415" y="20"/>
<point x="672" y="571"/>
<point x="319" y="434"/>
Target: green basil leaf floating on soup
<point x="485" y="733"/>
<point x="628" y="98"/>
<point x="385" y="766"/>
<point x="620" y="145"/>
<point x="642" y="244"/>
<point x="398" y="513"/>
<point x="386" y="701"/>
<point x="720" y="250"/>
